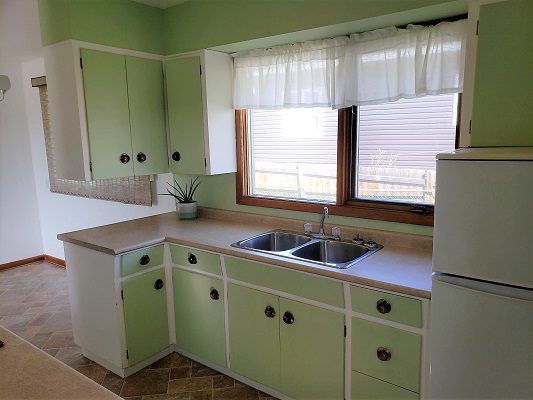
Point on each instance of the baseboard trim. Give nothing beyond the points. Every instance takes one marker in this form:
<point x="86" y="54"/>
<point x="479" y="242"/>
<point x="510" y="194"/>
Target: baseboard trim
<point x="43" y="257"/>
<point x="54" y="260"/>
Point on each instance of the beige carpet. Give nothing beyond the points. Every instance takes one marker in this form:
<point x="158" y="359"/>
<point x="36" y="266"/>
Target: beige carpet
<point x="29" y="373"/>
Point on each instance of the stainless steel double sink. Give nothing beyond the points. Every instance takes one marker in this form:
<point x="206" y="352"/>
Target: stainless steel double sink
<point x="327" y="252"/>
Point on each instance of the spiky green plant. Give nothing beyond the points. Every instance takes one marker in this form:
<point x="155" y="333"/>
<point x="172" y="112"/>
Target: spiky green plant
<point x="183" y="194"/>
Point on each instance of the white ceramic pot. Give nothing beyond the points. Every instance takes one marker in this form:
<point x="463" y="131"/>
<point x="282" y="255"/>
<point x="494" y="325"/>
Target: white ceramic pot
<point x="187" y="210"/>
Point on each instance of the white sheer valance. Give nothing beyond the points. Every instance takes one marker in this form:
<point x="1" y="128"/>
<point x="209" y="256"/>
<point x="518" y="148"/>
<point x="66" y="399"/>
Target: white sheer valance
<point x="368" y="68"/>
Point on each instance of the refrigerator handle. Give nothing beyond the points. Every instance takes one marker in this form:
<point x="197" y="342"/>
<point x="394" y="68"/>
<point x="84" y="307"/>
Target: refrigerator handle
<point x="486" y="287"/>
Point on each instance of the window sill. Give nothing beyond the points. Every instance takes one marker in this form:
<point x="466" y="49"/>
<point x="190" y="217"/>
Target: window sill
<point x="356" y="209"/>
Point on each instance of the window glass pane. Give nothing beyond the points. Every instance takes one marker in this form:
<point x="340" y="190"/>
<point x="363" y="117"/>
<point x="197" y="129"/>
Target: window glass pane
<point x="293" y="153"/>
<point x="396" y="147"/>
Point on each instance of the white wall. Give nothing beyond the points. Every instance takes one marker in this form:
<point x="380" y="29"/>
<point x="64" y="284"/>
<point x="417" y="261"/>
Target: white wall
<point x="20" y="231"/>
<point x="50" y="213"/>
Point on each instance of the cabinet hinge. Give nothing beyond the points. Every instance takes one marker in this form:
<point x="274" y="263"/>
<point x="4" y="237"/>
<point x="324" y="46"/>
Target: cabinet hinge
<point x="205" y="162"/>
<point x="122" y="294"/>
<point x="200" y="69"/>
<point x="91" y="166"/>
<point x="344" y="330"/>
<point x="477" y="27"/>
<point x="470" y="127"/>
<point x="127" y="355"/>
<point x="81" y="63"/>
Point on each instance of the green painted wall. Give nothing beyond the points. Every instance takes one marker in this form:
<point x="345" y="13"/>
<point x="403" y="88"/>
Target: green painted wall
<point x="118" y="23"/>
<point x="198" y="24"/>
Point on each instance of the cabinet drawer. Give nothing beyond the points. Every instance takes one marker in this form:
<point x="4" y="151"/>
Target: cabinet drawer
<point x="387" y="306"/>
<point x="286" y="280"/>
<point x="141" y="259"/>
<point x="399" y="349"/>
<point x="365" y="387"/>
<point x="197" y="259"/>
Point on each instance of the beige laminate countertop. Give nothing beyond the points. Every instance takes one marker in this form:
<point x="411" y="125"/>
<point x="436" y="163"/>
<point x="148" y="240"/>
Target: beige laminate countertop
<point x="28" y="373"/>
<point x="404" y="270"/>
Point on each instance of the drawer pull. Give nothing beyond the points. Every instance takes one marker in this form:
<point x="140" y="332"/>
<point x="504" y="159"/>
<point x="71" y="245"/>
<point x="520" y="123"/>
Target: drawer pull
<point x="383" y="306"/>
<point x="124" y="158"/>
<point x="214" y="294"/>
<point x="141" y="157"/>
<point x="383" y="354"/>
<point x="192" y="259"/>
<point x="288" y="318"/>
<point x="159" y="284"/>
<point x="176" y="156"/>
<point x="270" y="312"/>
<point x="144" y="259"/>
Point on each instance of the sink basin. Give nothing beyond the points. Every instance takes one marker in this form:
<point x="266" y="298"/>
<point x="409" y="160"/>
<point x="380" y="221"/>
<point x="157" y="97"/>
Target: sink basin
<point x="274" y="241"/>
<point x="312" y="249"/>
<point x="331" y="252"/>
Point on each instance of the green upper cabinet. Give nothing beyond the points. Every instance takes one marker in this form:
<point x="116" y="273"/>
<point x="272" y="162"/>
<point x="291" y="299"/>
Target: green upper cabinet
<point x="147" y="116"/>
<point x="107" y="113"/>
<point x="200" y="115"/>
<point x="106" y="101"/>
<point x="503" y="88"/>
<point x="185" y="115"/>
<point x="199" y="312"/>
<point x="145" y="315"/>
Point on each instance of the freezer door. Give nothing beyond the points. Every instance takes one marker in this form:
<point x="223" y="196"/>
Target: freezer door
<point x="481" y="340"/>
<point x="484" y="220"/>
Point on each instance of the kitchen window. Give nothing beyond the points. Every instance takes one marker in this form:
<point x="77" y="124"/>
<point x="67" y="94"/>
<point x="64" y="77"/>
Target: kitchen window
<point x="354" y="123"/>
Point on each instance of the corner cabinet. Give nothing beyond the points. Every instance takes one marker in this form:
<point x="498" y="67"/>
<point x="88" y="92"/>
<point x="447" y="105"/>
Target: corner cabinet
<point x="107" y="113"/>
<point x="200" y="115"/>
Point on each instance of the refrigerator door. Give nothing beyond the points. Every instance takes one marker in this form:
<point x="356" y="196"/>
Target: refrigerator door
<point x="481" y="340"/>
<point x="484" y="220"/>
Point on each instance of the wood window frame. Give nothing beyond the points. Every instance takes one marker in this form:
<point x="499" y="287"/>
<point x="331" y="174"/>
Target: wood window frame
<point x="344" y="205"/>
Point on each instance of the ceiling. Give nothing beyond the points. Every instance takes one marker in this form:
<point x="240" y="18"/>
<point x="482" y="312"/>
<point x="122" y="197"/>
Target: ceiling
<point x="161" y="3"/>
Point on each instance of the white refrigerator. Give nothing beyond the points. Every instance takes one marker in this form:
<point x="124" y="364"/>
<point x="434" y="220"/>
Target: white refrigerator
<point x="482" y="294"/>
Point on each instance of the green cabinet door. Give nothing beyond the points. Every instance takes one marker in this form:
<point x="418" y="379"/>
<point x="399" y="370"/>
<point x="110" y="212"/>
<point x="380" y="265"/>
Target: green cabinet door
<point x="199" y="311"/>
<point x="145" y="315"/>
<point x="312" y="351"/>
<point x="503" y="88"/>
<point x="147" y="116"/>
<point x="107" y="113"/>
<point x="185" y="115"/>
<point x="254" y="336"/>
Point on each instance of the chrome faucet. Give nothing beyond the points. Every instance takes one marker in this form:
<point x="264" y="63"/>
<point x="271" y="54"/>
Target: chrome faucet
<point x="325" y="214"/>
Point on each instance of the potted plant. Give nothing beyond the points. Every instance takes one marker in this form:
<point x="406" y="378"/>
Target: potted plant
<point x="185" y="203"/>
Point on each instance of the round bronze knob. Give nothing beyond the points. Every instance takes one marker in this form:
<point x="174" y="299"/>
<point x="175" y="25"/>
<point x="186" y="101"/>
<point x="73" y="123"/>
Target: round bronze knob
<point x="144" y="259"/>
<point x="192" y="259"/>
<point x="176" y="156"/>
<point x="288" y="318"/>
<point x="270" y="312"/>
<point x="124" y="158"/>
<point x="159" y="284"/>
<point x="214" y="294"/>
<point x="383" y="306"/>
<point x="141" y="157"/>
<point x="383" y="354"/>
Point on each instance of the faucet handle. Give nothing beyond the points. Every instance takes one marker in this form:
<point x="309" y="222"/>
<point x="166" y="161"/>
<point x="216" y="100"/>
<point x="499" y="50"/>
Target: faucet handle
<point x="308" y="228"/>
<point x="358" y="240"/>
<point x="336" y="233"/>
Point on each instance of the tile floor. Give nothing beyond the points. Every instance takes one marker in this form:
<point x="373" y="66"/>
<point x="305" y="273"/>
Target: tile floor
<point x="34" y="305"/>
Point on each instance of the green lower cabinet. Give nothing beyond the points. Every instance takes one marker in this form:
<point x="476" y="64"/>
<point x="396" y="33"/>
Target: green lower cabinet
<point x="254" y="335"/>
<point x="312" y="351"/>
<point x="386" y="353"/>
<point x="145" y="315"/>
<point x="365" y="387"/>
<point x="199" y="313"/>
